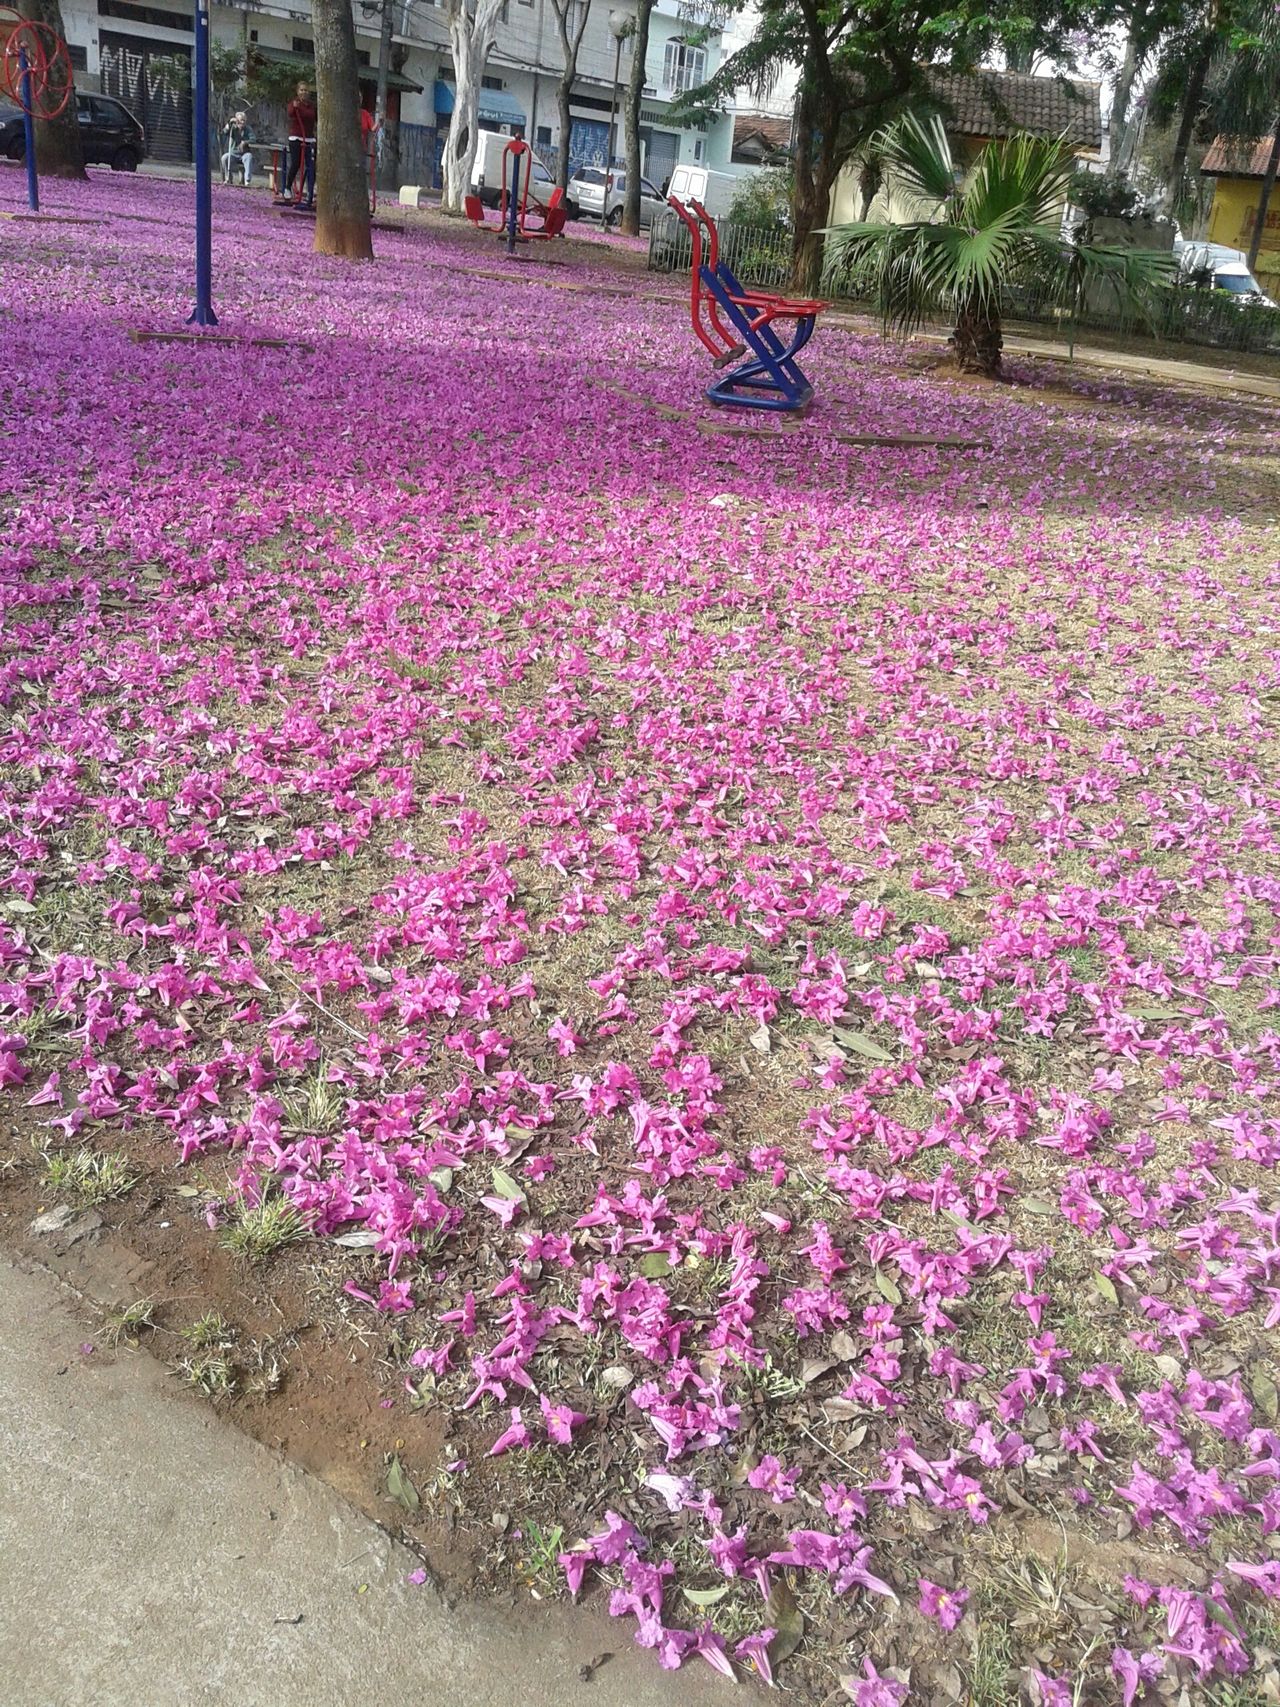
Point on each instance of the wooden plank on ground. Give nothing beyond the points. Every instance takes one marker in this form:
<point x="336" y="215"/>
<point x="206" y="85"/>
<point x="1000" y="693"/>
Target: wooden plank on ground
<point x="912" y="441"/>
<point x="141" y="337"/>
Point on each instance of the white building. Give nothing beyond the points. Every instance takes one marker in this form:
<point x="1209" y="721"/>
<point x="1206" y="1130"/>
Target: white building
<point x="141" y="53"/>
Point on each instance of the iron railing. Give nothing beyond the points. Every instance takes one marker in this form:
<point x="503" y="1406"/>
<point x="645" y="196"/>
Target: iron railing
<point x="1173" y="314"/>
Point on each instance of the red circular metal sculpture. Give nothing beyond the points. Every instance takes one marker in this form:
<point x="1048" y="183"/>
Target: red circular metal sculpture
<point x="48" y="69"/>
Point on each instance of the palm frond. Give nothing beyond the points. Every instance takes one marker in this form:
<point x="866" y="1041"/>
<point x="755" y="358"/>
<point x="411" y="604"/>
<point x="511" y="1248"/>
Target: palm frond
<point x="916" y="156"/>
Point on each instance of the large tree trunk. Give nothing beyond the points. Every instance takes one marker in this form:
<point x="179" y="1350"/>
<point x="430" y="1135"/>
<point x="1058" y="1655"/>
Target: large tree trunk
<point x="58" y="150"/>
<point x="471" y="39"/>
<point x="978" y="340"/>
<point x="631" y="117"/>
<point x="342" y="181"/>
<point x="817" y="119"/>
<point x="1194" y="93"/>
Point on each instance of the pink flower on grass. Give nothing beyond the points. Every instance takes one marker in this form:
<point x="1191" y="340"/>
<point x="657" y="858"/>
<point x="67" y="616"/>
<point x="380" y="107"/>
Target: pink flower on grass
<point x="560" y="1420"/>
<point x="874" y="1688"/>
<point x="770" y="1478"/>
<point x="516" y="1435"/>
<point x="946" y="1605"/>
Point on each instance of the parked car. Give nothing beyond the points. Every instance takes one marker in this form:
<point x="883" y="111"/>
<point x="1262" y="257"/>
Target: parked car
<point x="109" y="133"/>
<point x="1223" y="268"/>
<point x="587" y="195"/>
<point x="486" y="174"/>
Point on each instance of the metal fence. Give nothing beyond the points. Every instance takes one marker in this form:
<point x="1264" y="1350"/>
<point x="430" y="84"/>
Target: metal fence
<point x="754" y="256"/>
<point x="1174" y="314"/>
<point x="1177" y="314"/>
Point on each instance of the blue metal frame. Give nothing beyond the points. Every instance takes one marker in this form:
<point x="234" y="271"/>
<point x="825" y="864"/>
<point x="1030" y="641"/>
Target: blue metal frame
<point x="773" y="379"/>
<point x="513" y="198"/>
<point x="202" y="314"/>
<point x="29" y="133"/>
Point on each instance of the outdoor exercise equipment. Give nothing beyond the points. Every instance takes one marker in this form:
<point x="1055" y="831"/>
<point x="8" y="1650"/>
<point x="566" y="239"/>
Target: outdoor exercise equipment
<point x="770" y="378"/>
<point x="35" y="71"/>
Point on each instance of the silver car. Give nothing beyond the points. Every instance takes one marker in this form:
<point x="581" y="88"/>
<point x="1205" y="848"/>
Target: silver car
<point x="587" y="194"/>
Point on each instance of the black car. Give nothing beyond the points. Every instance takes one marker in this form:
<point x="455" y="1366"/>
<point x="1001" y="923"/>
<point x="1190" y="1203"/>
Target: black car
<point x="109" y="133"/>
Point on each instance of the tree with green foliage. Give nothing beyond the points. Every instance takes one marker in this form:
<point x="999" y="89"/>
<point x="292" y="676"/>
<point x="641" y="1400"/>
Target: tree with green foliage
<point x="863" y="64"/>
<point x="631" y="117"/>
<point x="1002" y="225"/>
<point x="571" y="26"/>
<point x="1218" y="70"/>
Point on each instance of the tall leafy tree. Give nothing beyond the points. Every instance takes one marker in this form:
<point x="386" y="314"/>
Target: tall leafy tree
<point x="342" y="188"/>
<point x="473" y="27"/>
<point x="571" y="23"/>
<point x="1218" y="70"/>
<point x="58" y="150"/>
<point x="865" y="62"/>
<point x="631" y="117"/>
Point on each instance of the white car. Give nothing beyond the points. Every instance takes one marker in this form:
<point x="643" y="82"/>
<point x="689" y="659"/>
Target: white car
<point x="586" y="195"/>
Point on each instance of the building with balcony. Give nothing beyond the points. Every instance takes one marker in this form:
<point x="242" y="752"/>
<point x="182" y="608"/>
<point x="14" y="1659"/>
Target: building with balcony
<point x="141" y="53"/>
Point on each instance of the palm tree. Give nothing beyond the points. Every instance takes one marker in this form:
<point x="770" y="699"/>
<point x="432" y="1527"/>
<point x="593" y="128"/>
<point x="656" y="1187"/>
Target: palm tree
<point x="1003" y="225"/>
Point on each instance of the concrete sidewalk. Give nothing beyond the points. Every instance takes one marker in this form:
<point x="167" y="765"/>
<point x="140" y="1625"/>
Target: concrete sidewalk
<point x="153" y="1556"/>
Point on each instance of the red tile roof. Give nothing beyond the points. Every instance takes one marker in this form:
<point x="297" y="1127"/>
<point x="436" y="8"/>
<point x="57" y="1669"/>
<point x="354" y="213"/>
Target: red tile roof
<point x="774" y="132"/>
<point x="1001" y="103"/>
<point x="1237" y="157"/>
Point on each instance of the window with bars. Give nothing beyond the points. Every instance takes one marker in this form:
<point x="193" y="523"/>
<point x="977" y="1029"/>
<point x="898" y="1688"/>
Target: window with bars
<point x="683" y="67"/>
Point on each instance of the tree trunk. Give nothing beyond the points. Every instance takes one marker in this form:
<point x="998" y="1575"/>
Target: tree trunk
<point x="1186" y="125"/>
<point x="58" y="150"/>
<point x="386" y="30"/>
<point x="1264" y="198"/>
<point x="563" y="93"/>
<point x="817" y="119"/>
<point x="342" y="179"/>
<point x="471" y="39"/>
<point x="569" y="45"/>
<point x="978" y="341"/>
<point x="1118" y="123"/>
<point x="631" y="117"/>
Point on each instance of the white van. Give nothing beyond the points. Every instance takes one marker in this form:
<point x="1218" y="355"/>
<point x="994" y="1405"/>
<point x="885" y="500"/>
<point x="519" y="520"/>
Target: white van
<point x="1229" y="269"/>
<point x="486" y="173"/>
<point x="715" y="190"/>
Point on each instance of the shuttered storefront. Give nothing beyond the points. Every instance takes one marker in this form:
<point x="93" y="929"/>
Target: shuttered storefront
<point x="153" y="79"/>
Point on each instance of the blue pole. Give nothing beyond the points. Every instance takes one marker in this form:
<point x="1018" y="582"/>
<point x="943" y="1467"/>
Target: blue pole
<point x="29" y="133"/>
<point x="202" y="314"/>
<point x="512" y="210"/>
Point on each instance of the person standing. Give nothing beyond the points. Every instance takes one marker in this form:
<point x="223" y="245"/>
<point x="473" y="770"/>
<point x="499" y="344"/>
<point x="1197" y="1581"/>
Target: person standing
<point x="300" y="183"/>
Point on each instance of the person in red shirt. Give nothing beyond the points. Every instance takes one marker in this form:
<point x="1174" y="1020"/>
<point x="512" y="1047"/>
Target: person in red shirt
<point x="301" y="178"/>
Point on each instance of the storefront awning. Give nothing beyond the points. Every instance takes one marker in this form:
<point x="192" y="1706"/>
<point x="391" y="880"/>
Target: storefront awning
<point x="304" y="64"/>
<point x="496" y="106"/>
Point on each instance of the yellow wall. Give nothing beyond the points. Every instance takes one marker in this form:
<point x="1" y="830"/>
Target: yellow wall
<point x="1235" y="202"/>
<point x="889" y="205"/>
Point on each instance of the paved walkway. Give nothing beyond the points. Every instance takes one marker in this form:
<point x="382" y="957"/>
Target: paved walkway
<point x="153" y="1556"/>
<point x="1165" y="371"/>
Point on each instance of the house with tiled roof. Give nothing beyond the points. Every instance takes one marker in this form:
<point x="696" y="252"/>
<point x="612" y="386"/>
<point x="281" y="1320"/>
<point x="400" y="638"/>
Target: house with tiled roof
<point x="761" y="139"/>
<point x="977" y="107"/>
<point x="1238" y="164"/>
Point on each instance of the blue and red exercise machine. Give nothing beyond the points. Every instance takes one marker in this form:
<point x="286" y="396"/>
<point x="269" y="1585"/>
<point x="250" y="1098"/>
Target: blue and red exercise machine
<point x="515" y="203"/>
<point x="770" y="378"/>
